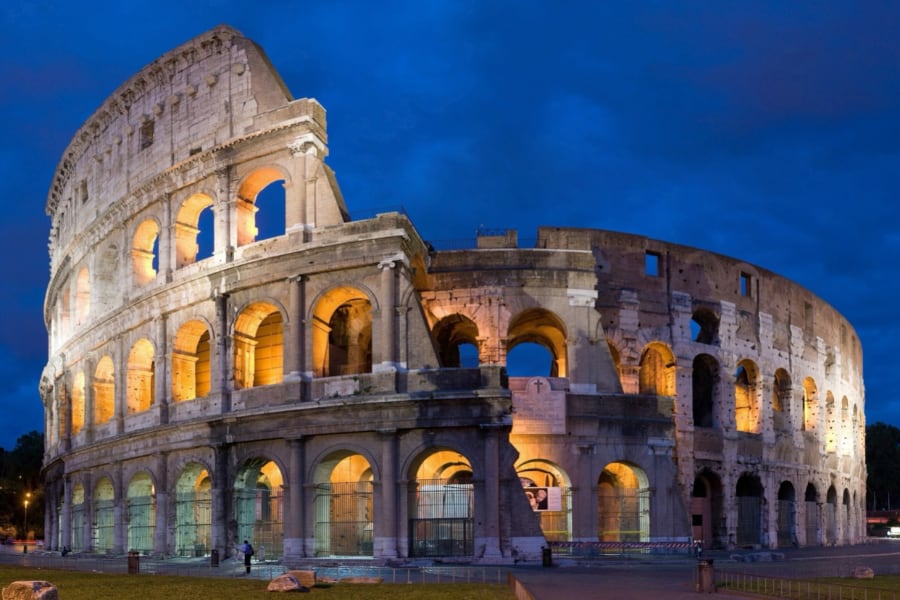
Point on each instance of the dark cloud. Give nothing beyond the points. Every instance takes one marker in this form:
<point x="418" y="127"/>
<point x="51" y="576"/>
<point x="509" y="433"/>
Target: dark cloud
<point x="766" y="131"/>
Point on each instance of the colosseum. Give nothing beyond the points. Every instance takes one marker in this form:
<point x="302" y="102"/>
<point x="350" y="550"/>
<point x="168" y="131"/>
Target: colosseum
<point x="232" y="356"/>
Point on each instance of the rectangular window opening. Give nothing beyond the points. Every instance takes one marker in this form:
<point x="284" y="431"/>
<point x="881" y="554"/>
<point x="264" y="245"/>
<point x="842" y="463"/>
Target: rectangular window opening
<point x="651" y="264"/>
<point x="746" y="285"/>
<point x="146" y="134"/>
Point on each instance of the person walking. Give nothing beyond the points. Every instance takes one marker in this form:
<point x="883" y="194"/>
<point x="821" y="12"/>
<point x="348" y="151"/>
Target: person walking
<point x="247" y="549"/>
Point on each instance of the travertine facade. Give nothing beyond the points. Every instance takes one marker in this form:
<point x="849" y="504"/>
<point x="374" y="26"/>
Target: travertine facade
<point x="310" y="390"/>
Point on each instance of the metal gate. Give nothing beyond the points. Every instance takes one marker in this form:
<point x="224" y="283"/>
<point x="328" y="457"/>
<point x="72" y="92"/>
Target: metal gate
<point x="812" y="524"/>
<point x="344" y="524"/>
<point x="442" y="524"/>
<point x="104" y="523"/>
<point x="193" y="514"/>
<point x="624" y="514"/>
<point x="749" y="527"/>
<point x="786" y="530"/>
<point x="141" y="523"/>
<point x="260" y="518"/>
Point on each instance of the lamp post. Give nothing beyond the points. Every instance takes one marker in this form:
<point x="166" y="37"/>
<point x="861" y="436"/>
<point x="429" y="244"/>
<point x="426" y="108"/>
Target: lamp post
<point x="25" y="528"/>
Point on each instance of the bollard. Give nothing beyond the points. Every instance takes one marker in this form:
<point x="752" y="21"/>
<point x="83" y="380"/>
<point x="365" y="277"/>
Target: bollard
<point x="134" y="562"/>
<point x="547" y="554"/>
<point x="214" y="557"/>
<point x="706" y="580"/>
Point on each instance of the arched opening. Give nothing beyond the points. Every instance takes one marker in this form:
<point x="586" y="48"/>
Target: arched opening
<point x="78" y="412"/>
<point x="191" y="362"/>
<point x="781" y="401"/>
<point x="810" y="405"/>
<point x="145" y="252"/>
<point x="140" y="386"/>
<point x="549" y="492"/>
<point x="811" y="500"/>
<point x="187" y="229"/>
<point x="746" y="397"/>
<point x="82" y="296"/>
<point x="657" y="371"/>
<point x="259" y="507"/>
<point x="831" y="423"/>
<point x="342" y="333"/>
<point x="260" y="206"/>
<point x="258" y="346"/>
<point x="104" y="516"/>
<point x="78" y="518"/>
<point x="343" y="506"/>
<point x="441" y="501"/>
<point x="706" y="510"/>
<point x="787" y="524"/>
<point x="831" y="516"/>
<point x="704" y="388"/>
<point x="541" y="327"/>
<point x="193" y="511"/>
<point x="845" y="517"/>
<point x="104" y="391"/>
<point x="617" y="359"/>
<point x="457" y="340"/>
<point x="141" y="513"/>
<point x="623" y="494"/>
<point x="529" y="359"/>
<point x="749" y="492"/>
<point x="705" y="326"/>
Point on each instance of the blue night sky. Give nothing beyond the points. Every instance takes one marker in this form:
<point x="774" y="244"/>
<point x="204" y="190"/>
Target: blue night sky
<point x="768" y="131"/>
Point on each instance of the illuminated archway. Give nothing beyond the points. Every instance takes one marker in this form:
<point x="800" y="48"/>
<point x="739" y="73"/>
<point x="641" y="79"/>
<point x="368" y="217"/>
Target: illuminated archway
<point x="139" y="385"/>
<point x="78" y="412"/>
<point x="549" y="491"/>
<point x="542" y="327"/>
<point x="191" y="362"/>
<point x="623" y="504"/>
<point x="78" y="518"/>
<point x="455" y="336"/>
<point x="187" y="228"/>
<point x="440" y="504"/>
<point x="141" y="513"/>
<point x="104" y="391"/>
<point x="342" y="333"/>
<point x="810" y="404"/>
<point x="193" y="511"/>
<point x="261" y="190"/>
<point x="258" y="346"/>
<point x="344" y="519"/>
<point x="144" y="258"/>
<point x="746" y="397"/>
<point x="657" y="370"/>
<point x="259" y="507"/>
<point x="104" y="516"/>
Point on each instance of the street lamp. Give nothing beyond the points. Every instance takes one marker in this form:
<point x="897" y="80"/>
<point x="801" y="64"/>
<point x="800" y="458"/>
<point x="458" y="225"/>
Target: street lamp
<point x="25" y="529"/>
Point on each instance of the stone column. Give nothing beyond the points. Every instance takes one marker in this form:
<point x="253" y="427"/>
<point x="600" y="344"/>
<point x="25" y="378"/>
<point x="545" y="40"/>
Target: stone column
<point x="584" y="521"/>
<point x="387" y="531"/>
<point x="165" y="248"/>
<point x="89" y="363"/>
<point x="120" y="531"/>
<point x="161" y="371"/>
<point x="224" y="207"/>
<point x="120" y="386"/>
<point x="220" y="386"/>
<point x="295" y="341"/>
<point x="160" y="532"/>
<point x="487" y="533"/>
<point x="220" y="501"/>
<point x="295" y="517"/>
<point x="85" y="533"/>
<point x="385" y="352"/>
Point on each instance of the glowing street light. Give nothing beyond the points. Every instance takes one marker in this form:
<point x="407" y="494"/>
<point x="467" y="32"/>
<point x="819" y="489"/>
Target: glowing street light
<point x="25" y="529"/>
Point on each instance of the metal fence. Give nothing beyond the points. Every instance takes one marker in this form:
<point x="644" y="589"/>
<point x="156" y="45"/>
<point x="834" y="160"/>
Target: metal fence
<point x="780" y="587"/>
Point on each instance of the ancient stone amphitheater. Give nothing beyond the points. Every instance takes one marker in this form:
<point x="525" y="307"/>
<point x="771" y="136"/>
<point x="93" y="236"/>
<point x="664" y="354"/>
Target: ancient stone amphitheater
<point x="231" y="357"/>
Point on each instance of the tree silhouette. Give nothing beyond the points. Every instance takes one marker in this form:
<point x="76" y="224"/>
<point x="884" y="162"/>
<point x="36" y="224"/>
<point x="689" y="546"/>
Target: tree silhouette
<point x="883" y="464"/>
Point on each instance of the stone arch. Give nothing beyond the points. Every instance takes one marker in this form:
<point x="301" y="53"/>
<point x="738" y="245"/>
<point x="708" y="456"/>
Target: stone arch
<point x="140" y="377"/>
<point x="623" y="503"/>
<point x="193" y="510"/>
<point x="542" y="327"/>
<point x="746" y="397"/>
<point x="441" y="504"/>
<point x="76" y="543"/>
<point x="187" y="228"/>
<point x="82" y="296"/>
<point x="786" y="518"/>
<point x="781" y="400"/>
<point x="104" y="517"/>
<point x="831" y="516"/>
<point x="247" y="202"/>
<point x="549" y="491"/>
<point x="191" y="366"/>
<point x="811" y="503"/>
<point x="259" y="506"/>
<point x="141" y="513"/>
<point x="705" y="384"/>
<point x="810" y="404"/>
<point x="78" y="406"/>
<point x="258" y="346"/>
<point x="845" y="516"/>
<point x="342" y="332"/>
<point x="145" y="252"/>
<point x="749" y="496"/>
<point x="706" y="509"/>
<point x="104" y="391"/>
<point x="452" y="333"/>
<point x="705" y="326"/>
<point x="657" y="370"/>
<point x="343" y="505"/>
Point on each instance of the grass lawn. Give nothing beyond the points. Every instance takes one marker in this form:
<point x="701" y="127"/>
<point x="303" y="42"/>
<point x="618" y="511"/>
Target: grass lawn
<point x="883" y="587"/>
<point x="78" y="585"/>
